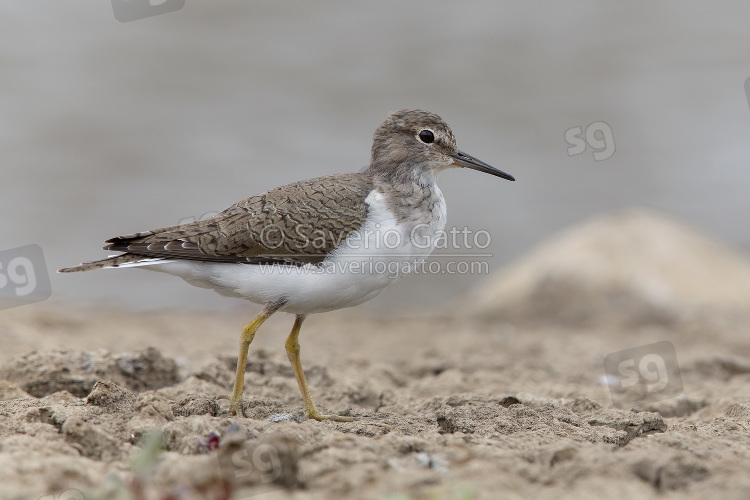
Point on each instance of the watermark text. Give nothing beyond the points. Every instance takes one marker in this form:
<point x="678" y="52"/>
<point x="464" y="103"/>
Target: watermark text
<point x="23" y="276"/>
<point x="598" y="136"/>
<point x="646" y="373"/>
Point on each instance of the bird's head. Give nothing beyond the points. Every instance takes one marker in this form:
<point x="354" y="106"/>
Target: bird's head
<point x="412" y="141"/>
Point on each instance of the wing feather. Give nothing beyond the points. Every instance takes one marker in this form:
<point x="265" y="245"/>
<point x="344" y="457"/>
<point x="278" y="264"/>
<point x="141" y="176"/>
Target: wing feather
<point x="294" y="224"/>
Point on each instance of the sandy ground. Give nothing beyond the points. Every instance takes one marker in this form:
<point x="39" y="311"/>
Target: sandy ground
<point x="446" y="408"/>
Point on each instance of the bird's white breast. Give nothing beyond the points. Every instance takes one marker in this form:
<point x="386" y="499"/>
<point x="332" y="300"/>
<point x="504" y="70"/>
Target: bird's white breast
<point x="369" y="260"/>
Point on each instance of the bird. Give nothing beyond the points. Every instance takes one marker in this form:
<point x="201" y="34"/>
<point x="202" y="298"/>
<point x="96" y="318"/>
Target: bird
<point x="315" y="245"/>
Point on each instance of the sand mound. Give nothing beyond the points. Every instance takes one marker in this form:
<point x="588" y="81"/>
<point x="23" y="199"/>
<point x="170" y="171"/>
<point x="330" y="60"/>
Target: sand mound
<point x="637" y="266"/>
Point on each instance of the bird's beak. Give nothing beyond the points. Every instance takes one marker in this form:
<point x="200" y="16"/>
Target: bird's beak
<point x="461" y="159"/>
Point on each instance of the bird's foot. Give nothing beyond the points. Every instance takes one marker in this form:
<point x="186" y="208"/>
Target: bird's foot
<point x="235" y="405"/>
<point x="316" y="415"/>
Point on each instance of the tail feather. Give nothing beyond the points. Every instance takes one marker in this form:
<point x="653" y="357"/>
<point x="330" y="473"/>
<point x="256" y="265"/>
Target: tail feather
<point x="116" y="261"/>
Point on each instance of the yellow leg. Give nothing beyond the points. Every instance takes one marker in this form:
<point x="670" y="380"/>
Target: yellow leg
<point x="292" y="351"/>
<point x="248" y="334"/>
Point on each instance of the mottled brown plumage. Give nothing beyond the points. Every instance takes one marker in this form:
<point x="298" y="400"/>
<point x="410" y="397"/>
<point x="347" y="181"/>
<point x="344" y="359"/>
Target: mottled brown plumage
<point x="294" y="224"/>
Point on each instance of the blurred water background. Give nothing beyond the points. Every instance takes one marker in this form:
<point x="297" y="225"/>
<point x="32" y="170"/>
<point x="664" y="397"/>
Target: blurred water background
<point x="109" y="128"/>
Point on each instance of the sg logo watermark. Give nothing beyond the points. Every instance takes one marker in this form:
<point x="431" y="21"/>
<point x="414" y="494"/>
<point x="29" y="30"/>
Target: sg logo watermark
<point x="643" y="374"/>
<point x="133" y="10"/>
<point x="263" y="467"/>
<point x="598" y="136"/>
<point x="71" y="494"/>
<point x="23" y="276"/>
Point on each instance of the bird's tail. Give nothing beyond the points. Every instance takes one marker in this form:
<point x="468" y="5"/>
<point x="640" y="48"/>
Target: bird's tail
<point x="116" y="261"/>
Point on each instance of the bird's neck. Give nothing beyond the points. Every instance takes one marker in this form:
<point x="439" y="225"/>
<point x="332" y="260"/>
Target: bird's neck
<point x="413" y="195"/>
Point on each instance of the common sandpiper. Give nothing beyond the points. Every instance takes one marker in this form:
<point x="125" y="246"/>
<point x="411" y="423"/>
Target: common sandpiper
<point x="315" y="245"/>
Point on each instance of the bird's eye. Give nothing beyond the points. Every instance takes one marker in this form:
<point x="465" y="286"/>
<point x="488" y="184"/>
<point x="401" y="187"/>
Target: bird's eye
<point x="426" y="136"/>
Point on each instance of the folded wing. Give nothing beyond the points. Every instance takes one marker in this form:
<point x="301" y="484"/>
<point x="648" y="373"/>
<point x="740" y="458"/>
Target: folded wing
<point x="296" y="224"/>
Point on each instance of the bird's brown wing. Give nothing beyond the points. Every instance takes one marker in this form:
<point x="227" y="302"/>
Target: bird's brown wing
<point x="294" y="224"/>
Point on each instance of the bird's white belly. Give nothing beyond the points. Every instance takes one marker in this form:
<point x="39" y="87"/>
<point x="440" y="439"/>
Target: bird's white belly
<point x="370" y="259"/>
